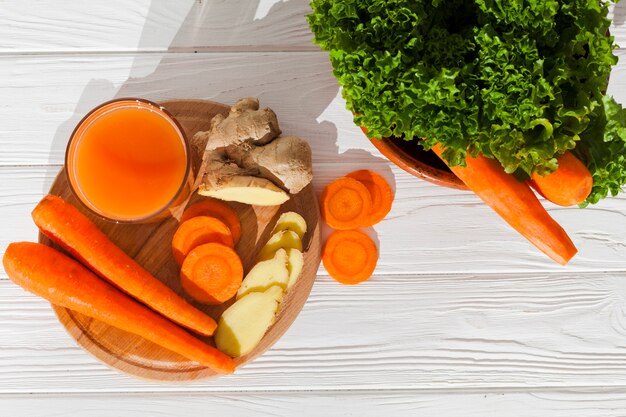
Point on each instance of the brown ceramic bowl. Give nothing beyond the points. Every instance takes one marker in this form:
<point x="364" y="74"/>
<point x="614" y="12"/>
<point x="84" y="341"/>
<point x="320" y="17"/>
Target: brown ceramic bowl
<point x="412" y="158"/>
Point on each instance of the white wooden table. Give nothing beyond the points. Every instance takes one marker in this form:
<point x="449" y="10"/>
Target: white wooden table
<point x="463" y="316"/>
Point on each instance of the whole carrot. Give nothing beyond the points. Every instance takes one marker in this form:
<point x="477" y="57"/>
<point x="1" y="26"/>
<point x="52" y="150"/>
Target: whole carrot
<point x="65" y="282"/>
<point x="570" y="184"/>
<point x="516" y="203"/>
<point x="74" y="232"/>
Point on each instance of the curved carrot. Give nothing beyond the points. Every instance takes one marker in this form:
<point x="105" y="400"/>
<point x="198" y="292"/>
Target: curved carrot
<point x="197" y="231"/>
<point x="79" y="236"/>
<point x="218" y="209"/>
<point x="212" y="273"/>
<point x="63" y="281"/>
<point x="350" y="256"/>
<point x="382" y="195"/>
<point x="346" y="204"/>
<point x="570" y="184"/>
<point x="516" y="203"/>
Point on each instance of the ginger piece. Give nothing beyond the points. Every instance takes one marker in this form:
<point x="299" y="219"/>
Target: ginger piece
<point x="286" y="161"/>
<point x="247" y="190"/>
<point x="284" y="239"/>
<point x="291" y="220"/>
<point x="243" y="151"/>
<point x="295" y="263"/>
<point x="229" y="182"/>
<point x="244" y="323"/>
<point x="266" y="274"/>
<point x="244" y="124"/>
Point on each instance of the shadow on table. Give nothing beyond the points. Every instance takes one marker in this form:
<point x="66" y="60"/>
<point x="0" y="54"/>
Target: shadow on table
<point x="302" y="89"/>
<point x="619" y="14"/>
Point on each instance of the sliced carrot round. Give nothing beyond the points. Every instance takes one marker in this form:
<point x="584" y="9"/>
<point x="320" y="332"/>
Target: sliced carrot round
<point x="197" y="231"/>
<point x="218" y="209"/>
<point x="380" y="191"/>
<point x="212" y="273"/>
<point x="350" y="256"/>
<point x="346" y="204"/>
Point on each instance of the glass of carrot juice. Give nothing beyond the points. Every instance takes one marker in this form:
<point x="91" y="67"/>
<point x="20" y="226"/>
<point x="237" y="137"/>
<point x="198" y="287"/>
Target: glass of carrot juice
<point x="128" y="161"/>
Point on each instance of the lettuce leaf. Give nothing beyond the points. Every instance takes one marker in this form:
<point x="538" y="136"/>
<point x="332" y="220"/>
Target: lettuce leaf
<point x="521" y="81"/>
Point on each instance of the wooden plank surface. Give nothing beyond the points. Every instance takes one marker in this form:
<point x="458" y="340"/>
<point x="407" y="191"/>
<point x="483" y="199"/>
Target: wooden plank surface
<point x="363" y="404"/>
<point x="30" y="26"/>
<point x="39" y="113"/>
<point x="430" y="229"/>
<point x="463" y="317"/>
<point x="154" y="25"/>
<point x="395" y="332"/>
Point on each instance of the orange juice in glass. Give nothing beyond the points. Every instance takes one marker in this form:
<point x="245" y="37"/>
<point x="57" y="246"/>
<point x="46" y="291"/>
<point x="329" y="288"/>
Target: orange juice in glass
<point x="128" y="161"/>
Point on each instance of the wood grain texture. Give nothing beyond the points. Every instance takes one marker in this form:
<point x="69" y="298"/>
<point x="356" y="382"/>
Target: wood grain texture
<point x="395" y="332"/>
<point x="150" y="245"/>
<point x="430" y="229"/>
<point x="28" y="26"/>
<point x="460" y="312"/>
<point x="39" y="113"/>
<point x="148" y="25"/>
<point x="407" y="403"/>
<point x="298" y="87"/>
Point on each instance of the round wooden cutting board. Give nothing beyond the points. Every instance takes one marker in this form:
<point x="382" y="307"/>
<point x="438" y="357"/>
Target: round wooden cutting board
<point x="150" y="245"/>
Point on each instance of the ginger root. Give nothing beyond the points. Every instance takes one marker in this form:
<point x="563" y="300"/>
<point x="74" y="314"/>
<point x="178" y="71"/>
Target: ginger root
<point x="246" y="161"/>
<point x="247" y="189"/>
<point x="245" y="123"/>
<point x="286" y="161"/>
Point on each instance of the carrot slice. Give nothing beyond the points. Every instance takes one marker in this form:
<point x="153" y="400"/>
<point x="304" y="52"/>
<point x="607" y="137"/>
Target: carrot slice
<point x="570" y="184"/>
<point x="380" y="191"/>
<point x="346" y="204"/>
<point x="516" y="203"/>
<point x="63" y="281"/>
<point x="218" y="209"/>
<point x="197" y="231"/>
<point x="212" y="273"/>
<point x="350" y="256"/>
<point x="79" y="236"/>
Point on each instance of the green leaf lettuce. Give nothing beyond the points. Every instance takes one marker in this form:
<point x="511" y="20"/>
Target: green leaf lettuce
<point x="521" y="81"/>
